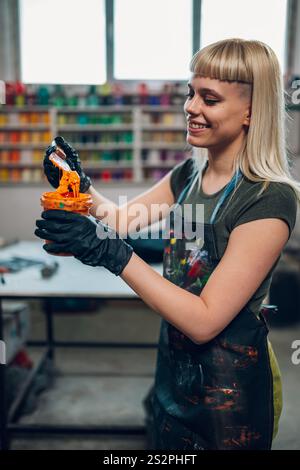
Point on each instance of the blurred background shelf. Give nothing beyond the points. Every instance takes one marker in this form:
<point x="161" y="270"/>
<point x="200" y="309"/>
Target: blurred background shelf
<point x="109" y="139"/>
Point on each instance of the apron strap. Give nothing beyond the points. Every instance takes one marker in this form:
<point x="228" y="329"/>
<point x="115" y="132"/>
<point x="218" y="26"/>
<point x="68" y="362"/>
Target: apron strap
<point x="186" y="189"/>
<point x="228" y="189"/>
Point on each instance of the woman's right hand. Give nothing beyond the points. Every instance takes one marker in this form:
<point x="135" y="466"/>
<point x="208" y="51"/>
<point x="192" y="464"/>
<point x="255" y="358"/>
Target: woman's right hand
<point x="73" y="160"/>
<point x="93" y="243"/>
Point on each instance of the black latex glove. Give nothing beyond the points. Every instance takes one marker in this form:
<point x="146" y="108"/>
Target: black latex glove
<point x="92" y="243"/>
<point x="73" y="160"/>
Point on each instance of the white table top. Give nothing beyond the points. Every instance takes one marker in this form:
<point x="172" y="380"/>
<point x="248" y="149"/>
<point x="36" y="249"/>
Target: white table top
<point x="72" y="279"/>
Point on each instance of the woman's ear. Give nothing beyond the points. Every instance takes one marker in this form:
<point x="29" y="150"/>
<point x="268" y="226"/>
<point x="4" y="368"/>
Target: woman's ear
<point x="247" y="117"/>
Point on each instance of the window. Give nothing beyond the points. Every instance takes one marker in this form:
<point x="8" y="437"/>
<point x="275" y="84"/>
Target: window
<point x="63" y="41"/>
<point x="264" y="20"/>
<point x="152" y="39"/>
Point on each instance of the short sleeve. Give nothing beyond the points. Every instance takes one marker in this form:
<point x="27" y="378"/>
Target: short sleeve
<point x="180" y="175"/>
<point x="277" y="201"/>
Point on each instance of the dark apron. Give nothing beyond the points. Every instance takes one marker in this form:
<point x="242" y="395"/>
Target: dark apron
<point x="217" y="395"/>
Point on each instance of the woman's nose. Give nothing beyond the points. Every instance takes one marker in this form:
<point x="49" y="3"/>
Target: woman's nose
<point x="193" y="107"/>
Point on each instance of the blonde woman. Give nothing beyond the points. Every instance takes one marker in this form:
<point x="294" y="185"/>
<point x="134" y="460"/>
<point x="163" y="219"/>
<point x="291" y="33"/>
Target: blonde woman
<point x="217" y="382"/>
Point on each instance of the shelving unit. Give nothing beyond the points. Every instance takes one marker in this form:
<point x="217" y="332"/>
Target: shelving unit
<point x="116" y="143"/>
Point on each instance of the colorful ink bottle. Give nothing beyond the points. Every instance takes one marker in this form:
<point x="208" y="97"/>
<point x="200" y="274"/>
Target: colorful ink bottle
<point x="67" y="196"/>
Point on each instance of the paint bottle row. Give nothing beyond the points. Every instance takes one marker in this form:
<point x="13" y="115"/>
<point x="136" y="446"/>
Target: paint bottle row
<point x="24" y="118"/>
<point x="165" y="137"/>
<point x="19" y="94"/>
<point x="148" y="117"/>
<point x="94" y="118"/>
<point x="20" y="156"/>
<point x="24" y="175"/>
<point x="36" y="156"/>
<point x="77" y="138"/>
<point x="25" y="137"/>
<point x="159" y="157"/>
<point x="112" y="175"/>
<point x="154" y="175"/>
<point x="106" y="156"/>
<point x="149" y="157"/>
<point x="164" y="118"/>
<point x="30" y="175"/>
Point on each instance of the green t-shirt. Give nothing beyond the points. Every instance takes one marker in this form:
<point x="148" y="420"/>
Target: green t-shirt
<point x="277" y="201"/>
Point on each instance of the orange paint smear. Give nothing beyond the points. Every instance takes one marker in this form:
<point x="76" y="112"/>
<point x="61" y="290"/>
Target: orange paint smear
<point x="66" y="196"/>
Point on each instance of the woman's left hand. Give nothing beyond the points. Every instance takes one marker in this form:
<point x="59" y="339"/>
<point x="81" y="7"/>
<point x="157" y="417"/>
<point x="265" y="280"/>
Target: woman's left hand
<point x="94" y="244"/>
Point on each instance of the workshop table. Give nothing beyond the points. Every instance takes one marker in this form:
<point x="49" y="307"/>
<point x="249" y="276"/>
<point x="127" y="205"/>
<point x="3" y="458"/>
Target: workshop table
<point x="72" y="280"/>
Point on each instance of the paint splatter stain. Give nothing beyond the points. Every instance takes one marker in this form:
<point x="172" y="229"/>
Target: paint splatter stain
<point x="167" y="427"/>
<point x="240" y="437"/>
<point x="194" y="399"/>
<point x="222" y="399"/>
<point x="244" y="357"/>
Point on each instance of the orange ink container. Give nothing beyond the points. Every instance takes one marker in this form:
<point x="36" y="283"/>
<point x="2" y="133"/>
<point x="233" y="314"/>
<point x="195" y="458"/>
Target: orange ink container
<point x="67" y="196"/>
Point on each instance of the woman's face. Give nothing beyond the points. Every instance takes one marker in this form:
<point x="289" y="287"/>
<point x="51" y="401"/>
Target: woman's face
<point x="223" y="107"/>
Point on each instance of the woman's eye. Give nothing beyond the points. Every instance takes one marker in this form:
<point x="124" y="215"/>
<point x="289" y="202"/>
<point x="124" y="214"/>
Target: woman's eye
<point x="211" y="102"/>
<point x="190" y="95"/>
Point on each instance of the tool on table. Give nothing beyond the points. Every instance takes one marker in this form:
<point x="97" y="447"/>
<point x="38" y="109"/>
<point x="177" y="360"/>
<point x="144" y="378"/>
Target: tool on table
<point x="16" y="264"/>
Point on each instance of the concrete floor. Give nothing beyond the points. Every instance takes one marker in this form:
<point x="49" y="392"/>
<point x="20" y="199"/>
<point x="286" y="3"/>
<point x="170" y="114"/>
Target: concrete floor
<point x="107" y="386"/>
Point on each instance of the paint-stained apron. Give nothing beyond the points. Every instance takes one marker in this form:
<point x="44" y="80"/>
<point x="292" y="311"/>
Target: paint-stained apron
<point x="225" y="394"/>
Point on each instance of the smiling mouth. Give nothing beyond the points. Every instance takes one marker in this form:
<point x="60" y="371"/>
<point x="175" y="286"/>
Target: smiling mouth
<point x="192" y="125"/>
<point x="197" y="130"/>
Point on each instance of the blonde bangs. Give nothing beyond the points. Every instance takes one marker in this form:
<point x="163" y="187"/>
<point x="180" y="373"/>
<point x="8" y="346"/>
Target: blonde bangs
<point x="224" y="60"/>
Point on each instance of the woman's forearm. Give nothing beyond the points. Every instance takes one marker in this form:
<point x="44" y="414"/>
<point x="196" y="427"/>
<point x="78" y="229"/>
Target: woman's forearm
<point x="184" y="310"/>
<point x="110" y="213"/>
<point x="104" y="209"/>
<point x="136" y="214"/>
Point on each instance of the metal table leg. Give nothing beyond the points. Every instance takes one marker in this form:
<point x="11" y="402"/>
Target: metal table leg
<point x="49" y="329"/>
